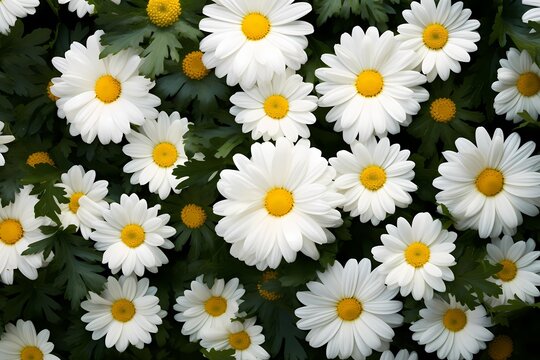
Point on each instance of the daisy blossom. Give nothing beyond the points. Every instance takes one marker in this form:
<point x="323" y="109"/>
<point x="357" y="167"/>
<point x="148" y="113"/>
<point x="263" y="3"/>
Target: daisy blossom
<point x="531" y="14"/>
<point x="21" y="342"/>
<point x="11" y="10"/>
<point x="401" y="355"/>
<point x="81" y="7"/>
<point x="4" y="139"/>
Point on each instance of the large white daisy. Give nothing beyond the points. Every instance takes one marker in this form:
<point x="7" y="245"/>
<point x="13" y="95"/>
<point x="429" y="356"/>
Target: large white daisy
<point x="4" y="139"/>
<point x="131" y="236"/>
<point x="126" y="312"/>
<point x="401" y="355"/>
<point x="531" y="14"/>
<point x="441" y="35"/>
<point x="102" y="97"/>
<point x="277" y="203"/>
<point x="21" y="342"/>
<point x="81" y="7"/>
<point x="11" y="10"/>
<point x="489" y="185"/>
<point x="349" y="309"/>
<point x="374" y="178"/>
<point x="370" y="85"/>
<point x="252" y="41"/>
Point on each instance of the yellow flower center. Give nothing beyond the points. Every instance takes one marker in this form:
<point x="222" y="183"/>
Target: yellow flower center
<point x="255" y="26"/>
<point x="193" y="216"/>
<point x="268" y="295"/>
<point x="509" y="270"/>
<point x="11" y="231"/>
<point x="349" y="309"/>
<point x="417" y="254"/>
<point x="31" y="353"/>
<point x="435" y="36"/>
<point x="442" y="110"/>
<point x="163" y="13"/>
<point x="50" y="95"/>
<point x="132" y="235"/>
<point x="39" y="157"/>
<point x="528" y="84"/>
<point x="373" y="177"/>
<point x="500" y="348"/>
<point x="276" y="106"/>
<point x="490" y="182"/>
<point x="74" y="202"/>
<point x="193" y="66"/>
<point x="454" y="319"/>
<point x="165" y="154"/>
<point x="215" y="306"/>
<point x="123" y="310"/>
<point x="279" y="202"/>
<point x="107" y="89"/>
<point x="240" y="340"/>
<point x="369" y="83"/>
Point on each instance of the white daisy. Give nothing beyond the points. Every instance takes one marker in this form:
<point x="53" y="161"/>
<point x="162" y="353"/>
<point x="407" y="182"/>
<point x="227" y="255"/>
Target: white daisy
<point x="156" y="150"/>
<point x="281" y="107"/>
<point x="81" y="7"/>
<point x="374" y="178"/>
<point x="79" y="184"/>
<point x="349" y="309"/>
<point x="4" y="139"/>
<point x="489" y="185"/>
<point x="531" y="14"/>
<point x="19" y="227"/>
<point x="401" y="355"/>
<point x="20" y="342"/>
<point x="452" y="329"/>
<point x="11" y="10"/>
<point x="279" y="202"/>
<point x="252" y="41"/>
<point x="520" y="274"/>
<point x="102" y="97"/>
<point x="370" y="85"/>
<point x="131" y="236"/>
<point x="126" y="312"/>
<point x="518" y="86"/>
<point x="442" y="36"/>
<point x="245" y="338"/>
<point x="203" y="308"/>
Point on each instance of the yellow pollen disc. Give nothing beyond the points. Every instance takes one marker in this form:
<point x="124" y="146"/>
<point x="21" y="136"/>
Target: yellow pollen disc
<point x="528" y="84"/>
<point x="40" y="157"/>
<point x="31" y="353"/>
<point x="442" y="110"/>
<point x="500" y="348"/>
<point x="276" y="106"/>
<point x="240" y="340"/>
<point x="373" y="177"/>
<point x="165" y="154"/>
<point x="435" y="36"/>
<point x="454" y="319"/>
<point x="490" y="182"/>
<point x="132" y="235"/>
<point x="349" y="309"/>
<point x="268" y="295"/>
<point x="509" y="270"/>
<point x="74" y="202"/>
<point x="255" y="26"/>
<point x="417" y="254"/>
<point x="215" y="306"/>
<point x="193" y="216"/>
<point x="278" y="202"/>
<point x="163" y="13"/>
<point x="369" y="83"/>
<point x="11" y="231"/>
<point x="107" y="89"/>
<point x="193" y="66"/>
<point x="50" y="95"/>
<point x="123" y="310"/>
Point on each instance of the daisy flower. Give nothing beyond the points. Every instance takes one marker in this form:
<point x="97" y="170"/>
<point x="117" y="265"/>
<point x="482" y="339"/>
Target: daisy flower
<point x="500" y="348"/>
<point x="416" y="257"/>
<point x="202" y="308"/>
<point x="518" y="86"/>
<point x="401" y="355"/>
<point x="251" y="42"/>
<point x="79" y="184"/>
<point x="4" y="139"/>
<point x="370" y="85"/>
<point x="531" y="14"/>
<point x="19" y="227"/>
<point x="21" y="342"/>
<point x="245" y="338"/>
<point x="452" y="329"/>
<point x="126" y="312"/>
<point x="11" y="10"/>
<point x="374" y="178"/>
<point x="441" y="35"/>
<point x="102" y="97"/>
<point x="520" y="274"/>
<point x="156" y="150"/>
<point x="349" y="309"/>
<point x="81" y="7"/>
<point x="281" y="107"/>
<point x="277" y="203"/>
<point x="489" y="185"/>
<point x="131" y="236"/>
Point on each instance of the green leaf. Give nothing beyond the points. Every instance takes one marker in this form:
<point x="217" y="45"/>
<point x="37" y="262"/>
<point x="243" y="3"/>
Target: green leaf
<point x="213" y="354"/>
<point x="164" y="45"/>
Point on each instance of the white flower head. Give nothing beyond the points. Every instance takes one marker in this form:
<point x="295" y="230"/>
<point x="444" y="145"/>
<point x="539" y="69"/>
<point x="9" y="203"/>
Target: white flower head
<point x="401" y="355"/>
<point x="81" y="7"/>
<point x="21" y="342"/>
<point x="11" y="10"/>
<point x="4" y="139"/>
<point x="531" y="14"/>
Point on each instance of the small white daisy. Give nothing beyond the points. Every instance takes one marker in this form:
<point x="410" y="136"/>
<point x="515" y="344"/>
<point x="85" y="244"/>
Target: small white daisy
<point x="349" y="309"/>
<point x="131" y="236"/>
<point x="489" y="185"/>
<point x="374" y="178"/>
<point x="401" y="355"/>
<point x="441" y="35"/>
<point x="531" y="14"/>
<point x="251" y="42"/>
<point x="4" y="139"/>
<point x="520" y="274"/>
<point x="11" y="10"/>
<point x="21" y="342"/>
<point x="370" y="85"/>
<point x="81" y="7"/>
<point x="518" y="86"/>
<point x="102" y="97"/>
<point x="281" y="107"/>
<point x="126" y="312"/>
<point x="203" y="308"/>
<point x="452" y="329"/>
